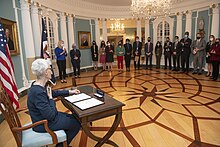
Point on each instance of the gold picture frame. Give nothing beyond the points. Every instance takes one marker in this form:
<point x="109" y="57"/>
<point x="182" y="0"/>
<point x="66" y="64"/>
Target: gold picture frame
<point x="10" y="28"/>
<point x="84" y="39"/>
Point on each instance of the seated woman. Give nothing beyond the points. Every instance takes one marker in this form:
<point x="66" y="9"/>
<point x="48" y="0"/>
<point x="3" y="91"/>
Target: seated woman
<point x="41" y="105"/>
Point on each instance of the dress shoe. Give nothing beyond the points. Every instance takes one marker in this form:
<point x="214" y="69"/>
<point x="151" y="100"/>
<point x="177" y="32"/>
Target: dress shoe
<point x="194" y="72"/>
<point x="199" y="73"/>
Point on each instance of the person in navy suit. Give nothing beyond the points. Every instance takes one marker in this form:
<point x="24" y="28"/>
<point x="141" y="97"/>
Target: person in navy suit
<point x="42" y="106"/>
<point x="128" y="53"/>
<point x="137" y="46"/>
<point x="148" y="52"/>
<point x="75" y="56"/>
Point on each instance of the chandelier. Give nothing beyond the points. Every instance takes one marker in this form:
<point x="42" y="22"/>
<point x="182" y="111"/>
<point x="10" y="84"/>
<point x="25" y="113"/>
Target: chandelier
<point x="117" y="27"/>
<point x="150" y="8"/>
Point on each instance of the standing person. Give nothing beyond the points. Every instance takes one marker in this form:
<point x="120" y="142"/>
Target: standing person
<point x="158" y="53"/>
<point x="176" y="51"/>
<point x="109" y="50"/>
<point x="167" y="52"/>
<point x="137" y="46"/>
<point x="75" y="59"/>
<point x="215" y="59"/>
<point x="128" y="52"/>
<point x="102" y="55"/>
<point x="185" y="52"/>
<point x="148" y="52"/>
<point x="41" y="105"/>
<point x="95" y="54"/>
<point x="207" y="49"/>
<point x="120" y="51"/>
<point x="61" y="54"/>
<point x="198" y="47"/>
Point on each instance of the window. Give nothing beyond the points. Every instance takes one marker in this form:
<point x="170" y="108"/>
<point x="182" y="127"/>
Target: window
<point x="160" y="32"/>
<point x="163" y="31"/>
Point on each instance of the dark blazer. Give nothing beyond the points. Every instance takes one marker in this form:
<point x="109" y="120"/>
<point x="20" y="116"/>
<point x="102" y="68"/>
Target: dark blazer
<point x="74" y="54"/>
<point x="177" y="49"/>
<point x="128" y="49"/>
<point x="41" y="107"/>
<point x="215" y="57"/>
<point x="186" y="45"/>
<point x="167" y="48"/>
<point x="148" y="50"/>
<point x="94" y="52"/>
<point x="158" y="50"/>
<point x="137" y="48"/>
<point x="10" y="44"/>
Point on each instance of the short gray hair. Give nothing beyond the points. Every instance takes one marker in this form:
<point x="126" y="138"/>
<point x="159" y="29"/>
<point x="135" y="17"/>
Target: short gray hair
<point x="39" y="66"/>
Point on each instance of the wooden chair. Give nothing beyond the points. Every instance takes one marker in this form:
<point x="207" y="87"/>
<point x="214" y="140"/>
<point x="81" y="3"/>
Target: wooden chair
<point x="24" y="135"/>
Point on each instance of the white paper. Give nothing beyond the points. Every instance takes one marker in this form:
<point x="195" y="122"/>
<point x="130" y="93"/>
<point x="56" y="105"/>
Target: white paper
<point x="88" y="103"/>
<point x="77" y="97"/>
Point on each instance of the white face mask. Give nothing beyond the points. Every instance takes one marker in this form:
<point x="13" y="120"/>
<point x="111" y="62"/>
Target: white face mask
<point x="62" y="45"/>
<point x="158" y="44"/>
<point x="137" y="40"/>
<point x="108" y="44"/>
<point x="186" y="36"/>
<point x="211" y="39"/>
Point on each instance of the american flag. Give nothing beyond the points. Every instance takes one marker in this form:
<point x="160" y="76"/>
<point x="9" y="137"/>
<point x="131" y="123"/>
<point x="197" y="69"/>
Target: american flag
<point x="7" y="70"/>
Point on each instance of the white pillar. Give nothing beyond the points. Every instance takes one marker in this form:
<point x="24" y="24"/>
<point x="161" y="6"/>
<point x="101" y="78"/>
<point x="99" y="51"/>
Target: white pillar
<point x="139" y="29"/>
<point x="215" y="22"/>
<point x="36" y="29"/>
<point x="63" y="29"/>
<point x="27" y="29"/>
<point x="147" y="30"/>
<point x="189" y="23"/>
<point x="91" y="30"/>
<point x="179" y="25"/>
<point x="24" y="78"/>
<point x="97" y="32"/>
<point x="104" y="29"/>
<point x="70" y="31"/>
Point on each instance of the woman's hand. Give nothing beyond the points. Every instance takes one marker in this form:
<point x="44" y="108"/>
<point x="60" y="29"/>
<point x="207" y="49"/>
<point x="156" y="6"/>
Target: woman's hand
<point x="74" y="91"/>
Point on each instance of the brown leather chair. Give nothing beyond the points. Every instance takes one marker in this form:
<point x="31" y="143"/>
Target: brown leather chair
<point x="24" y="135"/>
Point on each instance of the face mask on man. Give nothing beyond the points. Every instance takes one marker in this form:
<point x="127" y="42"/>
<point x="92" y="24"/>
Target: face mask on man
<point x="148" y="40"/>
<point x="186" y="36"/>
<point x="158" y="44"/>
<point x="198" y="37"/>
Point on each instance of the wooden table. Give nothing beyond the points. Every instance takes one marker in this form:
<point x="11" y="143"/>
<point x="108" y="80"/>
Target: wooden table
<point x="109" y="108"/>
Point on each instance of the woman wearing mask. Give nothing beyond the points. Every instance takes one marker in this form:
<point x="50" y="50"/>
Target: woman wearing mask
<point x="61" y="54"/>
<point x="158" y="53"/>
<point x="120" y="51"/>
<point x="215" y="59"/>
<point x="102" y="55"/>
<point x="208" y="47"/>
<point x="109" y="50"/>
<point x="94" y="52"/>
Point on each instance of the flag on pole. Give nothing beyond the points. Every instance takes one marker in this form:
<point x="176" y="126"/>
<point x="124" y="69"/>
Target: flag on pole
<point x="44" y="52"/>
<point x="7" y="70"/>
<point x="43" y="39"/>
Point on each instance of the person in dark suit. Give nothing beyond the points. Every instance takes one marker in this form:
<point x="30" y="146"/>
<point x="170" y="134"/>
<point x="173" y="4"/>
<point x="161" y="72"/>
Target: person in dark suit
<point x="41" y="105"/>
<point x="176" y="51"/>
<point x="137" y="46"/>
<point x="95" y="54"/>
<point x="75" y="59"/>
<point x="185" y="52"/>
<point x="158" y="53"/>
<point x="84" y="42"/>
<point x="167" y="52"/>
<point x="9" y="40"/>
<point x="128" y="53"/>
<point x="148" y="52"/>
<point x="198" y="47"/>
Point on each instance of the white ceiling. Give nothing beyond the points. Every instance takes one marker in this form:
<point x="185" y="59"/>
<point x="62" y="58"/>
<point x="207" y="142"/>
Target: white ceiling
<point x="110" y="2"/>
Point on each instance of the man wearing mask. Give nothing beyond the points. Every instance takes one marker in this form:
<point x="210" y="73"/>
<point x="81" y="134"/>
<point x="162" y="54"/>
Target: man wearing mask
<point x="198" y="47"/>
<point x="176" y="51"/>
<point x="75" y="59"/>
<point x="128" y="52"/>
<point x="137" y="46"/>
<point x="148" y="52"/>
<point x="185" y="52"/>
<point x="167" y="52"/>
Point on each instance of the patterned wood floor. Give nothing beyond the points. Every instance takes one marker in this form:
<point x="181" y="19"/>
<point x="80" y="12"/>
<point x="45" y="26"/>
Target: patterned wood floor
<point x="163" y="108"/>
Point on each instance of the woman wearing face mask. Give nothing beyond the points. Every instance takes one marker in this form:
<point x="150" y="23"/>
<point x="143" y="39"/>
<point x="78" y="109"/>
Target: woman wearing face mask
<point x="102" y="55"/>
<point x="94" y="52"/>
<point x="120" y="51"/>
<point x="109" y="50"/>
<point x="158" y="53"/>
<point x="208" y="47"/>
<point x="215" y="59"/>
<point x="61" y="54"/>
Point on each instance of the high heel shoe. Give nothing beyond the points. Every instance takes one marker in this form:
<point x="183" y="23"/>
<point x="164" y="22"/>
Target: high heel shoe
<point x="208" y="74"/>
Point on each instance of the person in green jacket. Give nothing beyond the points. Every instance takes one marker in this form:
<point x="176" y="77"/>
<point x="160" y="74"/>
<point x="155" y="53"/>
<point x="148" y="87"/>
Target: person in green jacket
<point x="120" y="51"/>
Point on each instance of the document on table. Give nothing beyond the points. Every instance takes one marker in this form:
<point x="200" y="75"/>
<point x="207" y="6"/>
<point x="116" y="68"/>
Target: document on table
<point x="77" y="97"/>
<point x="89" y="103"/>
